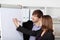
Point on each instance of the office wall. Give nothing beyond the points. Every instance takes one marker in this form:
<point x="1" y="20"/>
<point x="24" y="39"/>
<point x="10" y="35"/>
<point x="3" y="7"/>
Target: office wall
<point x="9" y="31"/>
<point x="37" y="3"/>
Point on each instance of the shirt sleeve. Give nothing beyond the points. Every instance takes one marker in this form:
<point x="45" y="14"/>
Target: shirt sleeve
<point x="28" y="32"/>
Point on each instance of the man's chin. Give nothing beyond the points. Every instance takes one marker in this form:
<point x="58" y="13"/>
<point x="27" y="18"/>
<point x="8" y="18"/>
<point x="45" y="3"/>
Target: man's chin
<point x="33" y="21"/>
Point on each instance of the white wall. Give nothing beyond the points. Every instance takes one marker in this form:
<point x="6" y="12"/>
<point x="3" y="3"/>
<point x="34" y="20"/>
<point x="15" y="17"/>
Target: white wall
<point x="45" y="3"/>
<point x="9" y="31"/>
<point x="53" y="11"/>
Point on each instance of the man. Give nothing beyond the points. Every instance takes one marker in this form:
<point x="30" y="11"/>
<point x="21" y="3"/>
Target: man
<point x="33" y="25"/>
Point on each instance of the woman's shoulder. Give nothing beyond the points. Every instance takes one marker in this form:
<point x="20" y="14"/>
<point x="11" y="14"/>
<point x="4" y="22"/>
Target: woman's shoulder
<point x="49" y="35"/>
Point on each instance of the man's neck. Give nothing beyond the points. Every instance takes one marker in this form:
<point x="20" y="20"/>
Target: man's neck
<point x="38" y="23"/>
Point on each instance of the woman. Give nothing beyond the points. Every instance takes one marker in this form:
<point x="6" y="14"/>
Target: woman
<point x="47" y="27"/>
<point x="46" y="31"/>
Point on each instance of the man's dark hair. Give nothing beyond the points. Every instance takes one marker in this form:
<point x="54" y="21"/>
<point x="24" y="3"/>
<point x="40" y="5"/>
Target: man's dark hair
<point x="39" y="13"/>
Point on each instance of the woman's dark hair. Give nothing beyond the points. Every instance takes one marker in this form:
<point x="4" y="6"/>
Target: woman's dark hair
<point x="39" y="13"/>
<point x="47" y="22"/>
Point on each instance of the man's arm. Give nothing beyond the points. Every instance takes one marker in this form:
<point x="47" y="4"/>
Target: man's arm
<point x="28" y="32"/>
<point x="24" y="30"/>
<point x="16" y="22"/>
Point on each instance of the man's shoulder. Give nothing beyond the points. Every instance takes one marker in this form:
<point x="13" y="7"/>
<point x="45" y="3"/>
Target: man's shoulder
<point x="28" y="22"/>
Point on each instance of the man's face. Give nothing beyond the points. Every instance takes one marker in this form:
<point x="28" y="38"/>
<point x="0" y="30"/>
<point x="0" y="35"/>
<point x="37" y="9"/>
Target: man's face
<point x="35" y="18"/>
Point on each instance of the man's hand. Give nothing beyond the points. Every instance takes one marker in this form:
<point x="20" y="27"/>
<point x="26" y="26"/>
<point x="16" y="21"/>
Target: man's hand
<point x="16" y="22"/>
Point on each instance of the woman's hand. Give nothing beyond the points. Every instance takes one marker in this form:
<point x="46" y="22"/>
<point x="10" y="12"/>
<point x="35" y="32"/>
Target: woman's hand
<point x="16" y="22"/>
